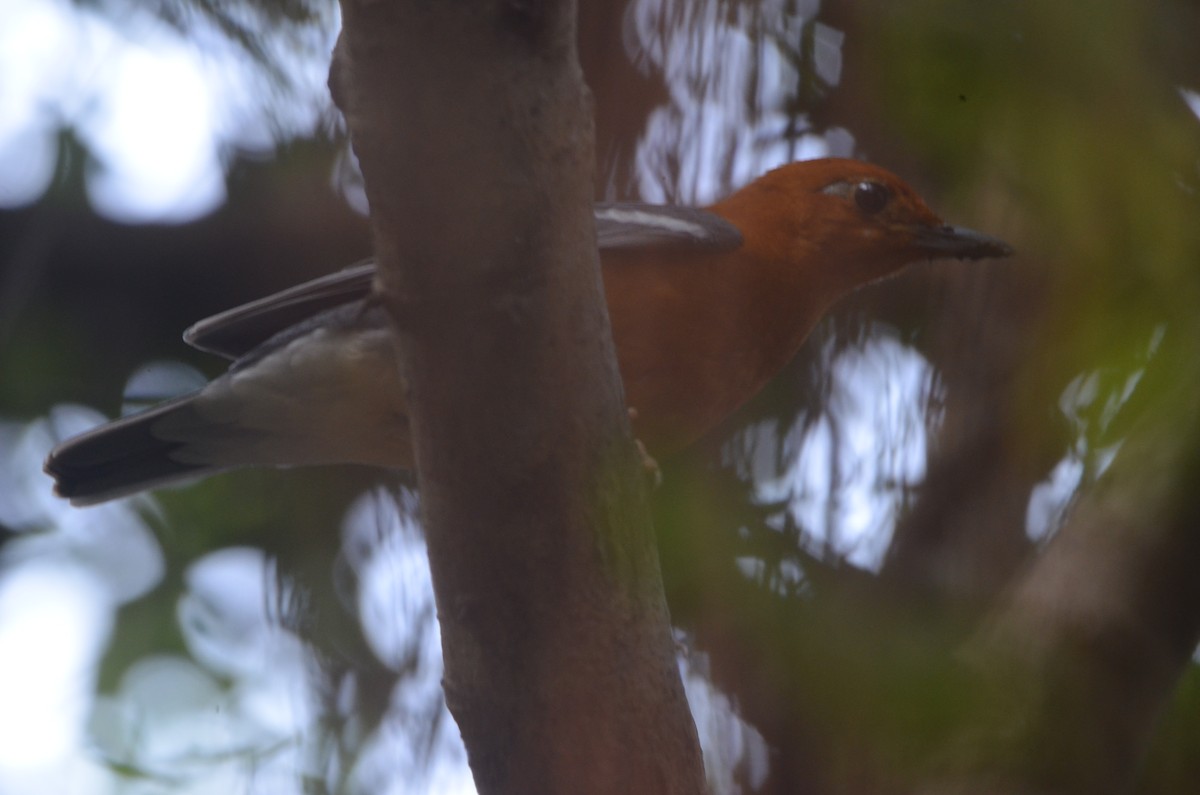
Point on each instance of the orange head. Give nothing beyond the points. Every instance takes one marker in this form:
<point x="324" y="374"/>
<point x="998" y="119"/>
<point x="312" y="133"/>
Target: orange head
<point x="847" y="223"/>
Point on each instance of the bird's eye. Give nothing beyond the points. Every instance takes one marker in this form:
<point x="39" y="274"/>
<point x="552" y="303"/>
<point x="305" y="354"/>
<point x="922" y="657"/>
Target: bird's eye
<point x="871" y="197"/>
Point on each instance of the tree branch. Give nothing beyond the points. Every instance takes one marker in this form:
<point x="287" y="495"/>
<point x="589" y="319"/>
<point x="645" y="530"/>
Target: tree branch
<point x="1078" y="663"/>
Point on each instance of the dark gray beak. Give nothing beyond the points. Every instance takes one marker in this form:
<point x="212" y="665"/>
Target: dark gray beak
<point x="960" y="243"/>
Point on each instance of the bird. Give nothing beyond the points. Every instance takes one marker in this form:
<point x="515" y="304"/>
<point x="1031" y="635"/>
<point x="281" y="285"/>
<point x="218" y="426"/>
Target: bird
<point x="706" y="305"/>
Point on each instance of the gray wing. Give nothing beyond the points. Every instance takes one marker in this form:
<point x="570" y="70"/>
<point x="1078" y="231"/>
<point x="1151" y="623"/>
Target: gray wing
<point x="628" y="226"/>
<point x="620" y="227"/>
<point x="237" y="331"/>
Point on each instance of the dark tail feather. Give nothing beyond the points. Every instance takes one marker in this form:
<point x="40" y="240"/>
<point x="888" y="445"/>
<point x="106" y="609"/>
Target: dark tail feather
<point x="124" y="457"/>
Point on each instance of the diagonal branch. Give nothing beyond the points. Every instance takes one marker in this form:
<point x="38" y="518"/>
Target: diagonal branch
<point x="1082" y="657"/>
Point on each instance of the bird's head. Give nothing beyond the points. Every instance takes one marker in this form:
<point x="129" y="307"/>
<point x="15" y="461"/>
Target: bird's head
<point x="853" y="221"/>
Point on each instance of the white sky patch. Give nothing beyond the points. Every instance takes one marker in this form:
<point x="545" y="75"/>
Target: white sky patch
<point x="144" y="108"/>
<point x="711" y="124"/>
<point x="418" y="748"/>
<point x="153" y="131"/>
<point x="728" y="743"/>
<point x="239" y="715"/>
<point x="1192" y="98"/>
<point x="54" y="620"/>
<point x="31" y="41"/>
<point x="1050" y="500"/>
<point x="27" y="162"/>
<point x="159" y="111"/>
<point x="229" y="613"/>
<point x="847" y="479"/>
<point x="156" y="381"/>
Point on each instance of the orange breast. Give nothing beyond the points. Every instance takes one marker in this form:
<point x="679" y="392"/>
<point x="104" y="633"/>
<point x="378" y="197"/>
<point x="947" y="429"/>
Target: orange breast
<point x="696" y="337"/>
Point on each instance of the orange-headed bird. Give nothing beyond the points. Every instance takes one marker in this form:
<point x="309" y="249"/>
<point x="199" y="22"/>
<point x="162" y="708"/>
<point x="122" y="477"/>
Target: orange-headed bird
<point x="706" y="306"/>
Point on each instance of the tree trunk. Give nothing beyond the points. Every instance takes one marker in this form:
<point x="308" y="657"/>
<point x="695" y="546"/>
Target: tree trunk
<point x="473" y="128"/>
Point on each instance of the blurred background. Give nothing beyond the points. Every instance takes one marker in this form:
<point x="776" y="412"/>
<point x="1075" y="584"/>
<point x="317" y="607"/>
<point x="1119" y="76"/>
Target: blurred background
<point x="824" y="551"/>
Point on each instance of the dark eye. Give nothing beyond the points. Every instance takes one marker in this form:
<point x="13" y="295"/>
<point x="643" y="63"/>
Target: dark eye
<point x="871" y="197"/>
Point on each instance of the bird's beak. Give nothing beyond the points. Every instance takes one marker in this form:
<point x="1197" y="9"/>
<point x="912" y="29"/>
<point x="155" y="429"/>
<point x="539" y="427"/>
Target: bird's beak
<point x="960" y="243"/>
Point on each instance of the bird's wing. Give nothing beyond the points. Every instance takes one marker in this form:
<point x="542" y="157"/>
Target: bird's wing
<point x="619" y="227"/>
<point x="628" y="226"/>
<point x="238" y="331"/>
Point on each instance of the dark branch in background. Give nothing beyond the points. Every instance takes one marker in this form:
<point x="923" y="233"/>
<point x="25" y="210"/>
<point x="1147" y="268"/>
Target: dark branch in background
<point x="472" y="125"/>
<point x="964" y="538"/>
<point x="1079" y="662"/>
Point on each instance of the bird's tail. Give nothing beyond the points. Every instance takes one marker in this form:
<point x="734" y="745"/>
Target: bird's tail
<point x="127" y="456"/>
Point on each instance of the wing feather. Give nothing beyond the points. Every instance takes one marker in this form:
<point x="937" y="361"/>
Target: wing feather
<point x="235" y="332"/>
<point x="620" y="227"/>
